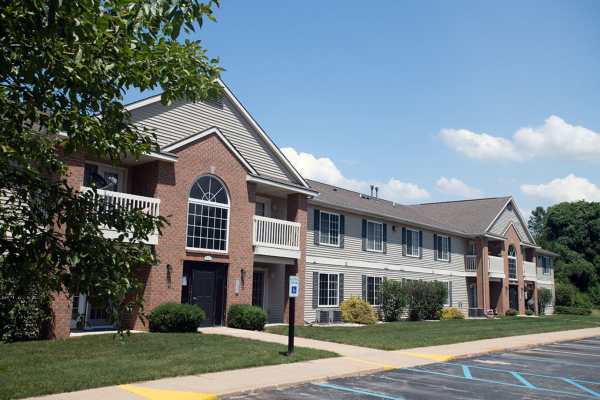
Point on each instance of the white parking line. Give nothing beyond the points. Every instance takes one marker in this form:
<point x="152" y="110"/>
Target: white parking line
<point x="542" y="350"/>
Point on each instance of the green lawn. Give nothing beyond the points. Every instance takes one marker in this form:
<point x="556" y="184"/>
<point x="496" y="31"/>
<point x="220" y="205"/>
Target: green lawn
<point x="404" y="335"/>
<point x="35" y="368"/>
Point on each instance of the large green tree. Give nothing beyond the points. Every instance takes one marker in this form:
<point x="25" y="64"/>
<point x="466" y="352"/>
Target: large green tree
<point x="64" y="68"/>
<point x="573" y="231"/>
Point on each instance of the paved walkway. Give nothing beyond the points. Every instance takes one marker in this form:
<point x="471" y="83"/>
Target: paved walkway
<point x="353" y="361"/>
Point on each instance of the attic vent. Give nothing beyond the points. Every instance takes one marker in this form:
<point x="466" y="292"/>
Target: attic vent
<point x="509" y="207"/>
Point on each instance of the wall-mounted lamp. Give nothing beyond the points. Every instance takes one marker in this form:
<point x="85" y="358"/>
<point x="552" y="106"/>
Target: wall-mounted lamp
<point x="243" y="277"/>
<point x="169" y="273"/>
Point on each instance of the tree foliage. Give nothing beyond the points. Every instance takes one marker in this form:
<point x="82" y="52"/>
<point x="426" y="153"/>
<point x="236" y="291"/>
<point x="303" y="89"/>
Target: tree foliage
<point x="573" y="231"/>
<point x="64" y="68"/>
<point x="536" y="221"/>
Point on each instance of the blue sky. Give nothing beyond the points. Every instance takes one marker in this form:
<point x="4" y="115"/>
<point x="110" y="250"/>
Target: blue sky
<point x="401" y="93"/>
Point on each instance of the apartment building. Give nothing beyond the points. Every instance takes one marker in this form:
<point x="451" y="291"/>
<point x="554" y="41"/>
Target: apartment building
<point x="242" y="220"/>
<point x="480" y="249"/>
<point x="236" y="208"/>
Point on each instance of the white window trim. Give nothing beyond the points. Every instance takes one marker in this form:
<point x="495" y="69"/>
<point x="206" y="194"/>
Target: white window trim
<point x="210" y="204"/>
<point x="449" y="295"/>
<point x="337" y="297"/>
<point x="367" y="238"/>
<point x="409" y="231"/>
<point x="546" y="270"/>
<point x="448" y="246"/>
<point x="122" y="171"/>
<point x="374" y="293"/>
<point x="339" y="230"/>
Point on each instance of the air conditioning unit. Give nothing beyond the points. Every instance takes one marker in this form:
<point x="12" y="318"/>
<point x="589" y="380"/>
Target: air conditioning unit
<point x="329" y="316"/>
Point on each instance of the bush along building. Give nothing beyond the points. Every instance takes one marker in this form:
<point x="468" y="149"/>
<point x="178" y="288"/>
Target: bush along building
<point x="480" y="249"/>
<point x="242" y="220"/>
<point x="236" y="209"/>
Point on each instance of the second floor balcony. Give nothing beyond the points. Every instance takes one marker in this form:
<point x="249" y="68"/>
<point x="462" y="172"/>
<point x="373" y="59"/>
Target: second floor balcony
<point x="470" y="263"/>
<point x="529" y="270"/>
<point x="149" y="205"/>
<point x="496" y="266"/>
<point x="276" y="237"/>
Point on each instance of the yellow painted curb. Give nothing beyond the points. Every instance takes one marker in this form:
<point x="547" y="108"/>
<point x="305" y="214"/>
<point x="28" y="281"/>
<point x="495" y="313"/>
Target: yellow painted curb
<point x="434" y="357"/>
<point x="163" y="394"/>
<point x="386" y="367"/>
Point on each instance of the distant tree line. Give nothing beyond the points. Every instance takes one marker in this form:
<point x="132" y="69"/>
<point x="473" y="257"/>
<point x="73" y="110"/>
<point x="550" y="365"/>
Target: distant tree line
<point x="573" y="231"/>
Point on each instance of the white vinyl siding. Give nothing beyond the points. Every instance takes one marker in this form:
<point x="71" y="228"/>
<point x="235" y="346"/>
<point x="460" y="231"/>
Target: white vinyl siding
<point x="353" y="277"/>
<point x="374" y="236"/>
<point x="183" y="119"/>
<point x="353" y="246"/>
<point x="506" y="217"/>
<point x="329" y="229"/>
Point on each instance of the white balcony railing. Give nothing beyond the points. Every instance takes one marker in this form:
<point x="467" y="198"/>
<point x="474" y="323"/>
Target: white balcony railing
<point x="149" y="205"/>
<point x="470" y="263"/>
<point x="529" y="270"/>
<point x="496" y="266"/>
<point x="276" y="237"/>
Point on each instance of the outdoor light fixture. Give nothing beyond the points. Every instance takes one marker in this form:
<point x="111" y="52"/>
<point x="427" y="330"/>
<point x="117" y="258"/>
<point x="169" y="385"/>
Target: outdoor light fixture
<point x="169" y="271"/>
<point x="243" y="276"/>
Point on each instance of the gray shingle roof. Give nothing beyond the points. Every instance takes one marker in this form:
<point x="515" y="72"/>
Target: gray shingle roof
<point x="470" y="216"/>
<point x="467" y="217"/>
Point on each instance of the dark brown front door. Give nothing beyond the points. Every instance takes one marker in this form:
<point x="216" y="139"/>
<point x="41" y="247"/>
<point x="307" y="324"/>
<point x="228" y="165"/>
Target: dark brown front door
<point x="204" y="284"/>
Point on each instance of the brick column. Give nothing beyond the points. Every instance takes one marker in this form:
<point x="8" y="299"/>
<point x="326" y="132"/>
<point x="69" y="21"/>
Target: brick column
<point x="61" y="317"/>
<point x="296" y="211"/>
<point x="535" y="300"/>
<point x="483" y="281"/>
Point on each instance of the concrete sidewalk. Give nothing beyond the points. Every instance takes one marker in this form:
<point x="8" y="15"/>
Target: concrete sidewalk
<point x="353" y="361"/>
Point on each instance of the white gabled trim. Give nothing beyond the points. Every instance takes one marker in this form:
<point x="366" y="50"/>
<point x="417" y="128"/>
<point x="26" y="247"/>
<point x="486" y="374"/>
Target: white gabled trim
<point x="263" y="134"/>
<point x="291" y="188"/>
<point x="392" y="267"/>
<point x="143" y="102"/>
<point x="246" y="115"/>
<point x="210" y="131"/>
<point x="161" y="156"/>
<point x="519" y="216"/>
<point x="516" y="230"/>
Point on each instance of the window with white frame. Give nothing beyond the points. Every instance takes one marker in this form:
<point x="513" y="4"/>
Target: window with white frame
<point x="328" y="290"/>
<point x="329" y="229"/>
<point x="208" y="215"/>
<point x="374" y="290"/>
<point x="447" y="285"/>
<point x="546" y="265"/>
<point x="374" y="236"/>
<point x="412" y="243"/>
<point x="443" y="248"/>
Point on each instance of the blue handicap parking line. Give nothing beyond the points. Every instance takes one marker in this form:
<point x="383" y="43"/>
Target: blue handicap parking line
<point x="530" y="387"/>
<point x="359" y="391"/>
<point x="520" y="378"/>
<point x="580" y="386"/>
<point x="467" y="372"/>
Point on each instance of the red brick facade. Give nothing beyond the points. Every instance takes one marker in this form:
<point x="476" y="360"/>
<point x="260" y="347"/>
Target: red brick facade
<point x="171" y="183"/>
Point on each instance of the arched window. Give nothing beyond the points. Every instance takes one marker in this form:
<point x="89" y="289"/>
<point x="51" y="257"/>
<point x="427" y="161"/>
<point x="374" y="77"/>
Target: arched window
<point x="208" y="215"/>
<point x="512" y="262"/>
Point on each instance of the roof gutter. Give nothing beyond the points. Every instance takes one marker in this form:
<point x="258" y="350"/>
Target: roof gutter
<point x="280" y="185"/>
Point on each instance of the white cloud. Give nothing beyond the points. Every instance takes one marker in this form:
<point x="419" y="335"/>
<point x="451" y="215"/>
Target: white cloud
<point x="569" y="188"/>
<point x="555" y="138"/>
<point x="456" y="187"/>
<point x="479" y="145"/>
<point x="324" y="169"/>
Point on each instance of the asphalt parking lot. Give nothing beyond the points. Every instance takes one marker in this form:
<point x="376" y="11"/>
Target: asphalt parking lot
<point x="568" y="370"/>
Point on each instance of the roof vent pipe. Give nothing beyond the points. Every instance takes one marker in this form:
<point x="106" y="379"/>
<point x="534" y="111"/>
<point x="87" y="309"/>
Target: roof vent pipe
<point x="372" y="187"/>
<point x="376" y="192"/>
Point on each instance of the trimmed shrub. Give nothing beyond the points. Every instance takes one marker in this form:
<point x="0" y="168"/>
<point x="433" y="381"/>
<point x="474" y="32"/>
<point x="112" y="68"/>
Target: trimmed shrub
<point x="175" y="317"/>
<point x="582" y="300"/>
<point x="425" y="299"/>
<point x="565" y="294"/>
<point x="357" y="310"/>
<point x="451" y="313"/>
<point x="393" y="300"/>
<point x="246" y="316"/>
<point x="572" y="310"/>
<point x="544" y="298"/>
<point x="511" y="312"/>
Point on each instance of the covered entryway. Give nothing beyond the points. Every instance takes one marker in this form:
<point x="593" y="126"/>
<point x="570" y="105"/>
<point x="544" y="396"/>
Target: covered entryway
<point x="513" y="297"/>
<point x="204" y="284"/>
<point x="268" y="290"/>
